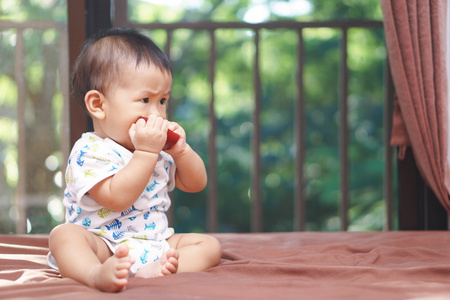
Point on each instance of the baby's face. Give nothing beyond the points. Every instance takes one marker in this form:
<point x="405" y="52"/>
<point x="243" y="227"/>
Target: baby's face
<point x="140" y="92"/>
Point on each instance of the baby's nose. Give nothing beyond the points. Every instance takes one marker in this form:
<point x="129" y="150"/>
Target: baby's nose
<point x="154" y="111"/>
<point x="156" y="115"/>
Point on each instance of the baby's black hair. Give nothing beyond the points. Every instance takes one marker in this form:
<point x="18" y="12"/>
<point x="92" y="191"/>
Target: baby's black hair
<point x="104" y="55"/>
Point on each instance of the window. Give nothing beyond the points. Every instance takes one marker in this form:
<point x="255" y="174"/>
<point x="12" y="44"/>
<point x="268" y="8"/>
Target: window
<point x="33" y="118"/>
<point x="288" y="37"/>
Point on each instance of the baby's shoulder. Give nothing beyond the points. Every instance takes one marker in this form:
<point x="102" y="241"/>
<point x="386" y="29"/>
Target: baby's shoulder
<point x="90" y="146"/>
<point x="90" y="142"/>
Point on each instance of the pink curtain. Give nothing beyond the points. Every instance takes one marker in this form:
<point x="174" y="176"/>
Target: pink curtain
<point x="416" y="41"/>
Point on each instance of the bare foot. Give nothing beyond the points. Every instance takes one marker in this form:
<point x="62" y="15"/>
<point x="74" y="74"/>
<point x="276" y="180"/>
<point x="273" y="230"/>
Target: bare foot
<point x="112" y="275"/>
<point x="166" y="265"/>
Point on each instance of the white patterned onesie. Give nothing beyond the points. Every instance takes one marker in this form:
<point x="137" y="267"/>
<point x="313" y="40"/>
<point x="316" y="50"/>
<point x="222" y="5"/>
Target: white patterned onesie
<point x="143" y="226"/>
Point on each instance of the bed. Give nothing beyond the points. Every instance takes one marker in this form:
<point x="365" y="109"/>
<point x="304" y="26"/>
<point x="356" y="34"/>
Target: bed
<point x="290" y="265"/>
<point x="294" y="265"/>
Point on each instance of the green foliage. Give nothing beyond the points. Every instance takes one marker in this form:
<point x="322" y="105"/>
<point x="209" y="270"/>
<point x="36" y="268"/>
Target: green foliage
<point x="234" y="100"/>
<point x="346" y="9"/>
<point x="234" y="105"/>
<point x="41" y="107"/>
<point x="33" y="10"/>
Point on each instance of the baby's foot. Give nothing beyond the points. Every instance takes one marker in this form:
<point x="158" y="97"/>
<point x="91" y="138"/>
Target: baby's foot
<point x="169" y="262"/>
<point x="166" y="265"/>
<point x="112" y="275"/>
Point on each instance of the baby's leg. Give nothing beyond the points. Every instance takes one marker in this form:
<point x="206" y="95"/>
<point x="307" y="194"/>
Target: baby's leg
<point x="166" y="265"/>
<point x="198" y="252"/>
<point x="112" y="275"/>
<point x="86" y="258"/>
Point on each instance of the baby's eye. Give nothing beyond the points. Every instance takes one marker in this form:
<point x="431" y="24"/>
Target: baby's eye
<point x="144" y="100"/>
<point x="162" y="101"/>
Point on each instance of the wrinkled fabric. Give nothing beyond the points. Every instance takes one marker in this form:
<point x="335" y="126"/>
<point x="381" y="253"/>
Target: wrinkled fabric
<point x="296" y="265"/>
<point x="416" y="37"/>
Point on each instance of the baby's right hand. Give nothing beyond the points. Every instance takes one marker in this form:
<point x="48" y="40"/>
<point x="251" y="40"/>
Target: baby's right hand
<point x="150" y="135"/>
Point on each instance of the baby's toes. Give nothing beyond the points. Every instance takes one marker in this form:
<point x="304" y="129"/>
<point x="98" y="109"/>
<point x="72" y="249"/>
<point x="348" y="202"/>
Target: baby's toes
<point x="122" y="252"/>
<point x="174" y="262"/>
<point x="172" y="253"/>
<point x="172" y="265"/>
<point x="122" y="273"/>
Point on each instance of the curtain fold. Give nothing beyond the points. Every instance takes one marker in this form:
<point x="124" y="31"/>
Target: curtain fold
<point x="416" y="38"/>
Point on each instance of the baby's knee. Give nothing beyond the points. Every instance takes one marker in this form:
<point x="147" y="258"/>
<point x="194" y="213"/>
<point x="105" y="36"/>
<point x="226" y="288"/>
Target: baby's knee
<point x="62" y="232"/>
<point x="215" y="249"/>
<point x="63" y="229"/>
<point x="57" y="231"/>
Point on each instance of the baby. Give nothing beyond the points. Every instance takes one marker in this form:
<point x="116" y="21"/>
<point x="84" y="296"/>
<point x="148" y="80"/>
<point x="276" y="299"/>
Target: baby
<point x="118" y="177"/>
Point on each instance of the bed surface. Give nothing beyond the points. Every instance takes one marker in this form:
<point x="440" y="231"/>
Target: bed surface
<point x="297" y="265"/>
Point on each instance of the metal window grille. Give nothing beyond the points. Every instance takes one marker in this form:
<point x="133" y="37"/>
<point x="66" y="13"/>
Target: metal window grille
<point x="120" y="20"/>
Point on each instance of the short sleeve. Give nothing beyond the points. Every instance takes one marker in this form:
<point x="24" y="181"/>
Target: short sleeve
<point x="90" y="163"/>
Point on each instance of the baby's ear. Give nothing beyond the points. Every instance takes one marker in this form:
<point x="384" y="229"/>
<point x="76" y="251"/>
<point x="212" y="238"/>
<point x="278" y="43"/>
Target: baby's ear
<point x="95" y="102"/>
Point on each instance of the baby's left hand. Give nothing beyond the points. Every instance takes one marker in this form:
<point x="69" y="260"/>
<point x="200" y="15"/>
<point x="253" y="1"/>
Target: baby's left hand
<point x="180" y="145"/>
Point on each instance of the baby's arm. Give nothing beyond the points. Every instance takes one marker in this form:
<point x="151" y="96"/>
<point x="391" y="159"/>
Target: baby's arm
<point x="121" y="190"/>
<point x="190" y="174"/>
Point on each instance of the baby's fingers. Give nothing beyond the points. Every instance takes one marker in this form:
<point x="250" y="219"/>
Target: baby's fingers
<point x="132" y="130"/>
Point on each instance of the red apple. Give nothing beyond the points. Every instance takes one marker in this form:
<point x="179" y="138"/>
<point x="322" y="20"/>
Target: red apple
<point x="172" y="137"/>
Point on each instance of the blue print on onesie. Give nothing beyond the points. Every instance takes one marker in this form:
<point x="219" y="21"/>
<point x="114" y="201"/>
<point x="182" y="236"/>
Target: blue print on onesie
<point x="143" y="227"/>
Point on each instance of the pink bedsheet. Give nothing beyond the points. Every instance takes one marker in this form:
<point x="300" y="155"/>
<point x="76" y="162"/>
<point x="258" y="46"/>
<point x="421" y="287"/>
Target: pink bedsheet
<point x="298" y="265"/>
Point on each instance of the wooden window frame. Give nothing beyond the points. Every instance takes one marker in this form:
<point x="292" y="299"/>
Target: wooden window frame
<point x="418" y="207"/>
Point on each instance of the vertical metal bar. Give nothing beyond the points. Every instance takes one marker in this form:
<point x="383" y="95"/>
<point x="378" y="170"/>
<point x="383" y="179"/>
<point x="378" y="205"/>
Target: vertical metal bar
<point x="97" y="16"/>
<point x="448" y="221"/>
<point x="120" y="13"/>
<point x="343" y="134"/>
<point x="299" y="138"/>
<point x="21" y="226"/>
<point x="388" y="178"/>
<point x="76" y="19"/>
<point x="65" y="91"/>
<point x="212" y="210"/>
<point x="169" y="34"/>
<point x="167" y="46"/>
<point x="256" y="195"/>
